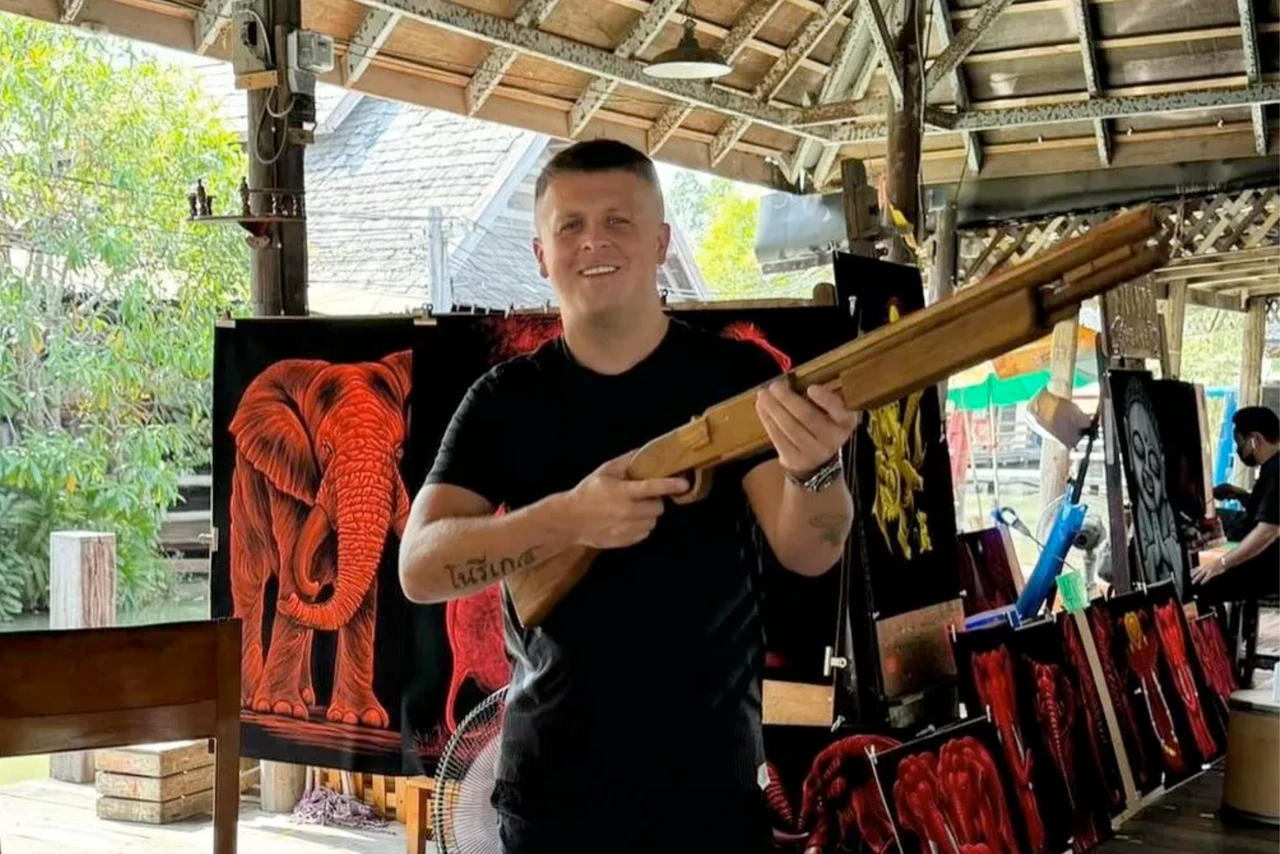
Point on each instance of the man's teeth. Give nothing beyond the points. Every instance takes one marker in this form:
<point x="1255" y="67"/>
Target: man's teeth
<point x="599" y="271"/>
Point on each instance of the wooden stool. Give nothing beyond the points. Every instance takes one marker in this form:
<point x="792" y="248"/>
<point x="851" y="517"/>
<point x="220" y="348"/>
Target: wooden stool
<point x="416" y="800"/>
<point x="1251" y="789"/>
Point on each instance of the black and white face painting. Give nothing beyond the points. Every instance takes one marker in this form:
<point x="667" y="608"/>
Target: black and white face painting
<point x="1153" y="520"/>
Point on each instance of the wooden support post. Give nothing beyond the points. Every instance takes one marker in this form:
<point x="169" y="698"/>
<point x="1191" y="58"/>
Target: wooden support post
<point x="1055" y="460"/>
<point x="942" y="279"/>
<point x="1175" y="316"/>
<point x="904" y="133"/>
<point x="1255" y="333"/>
<point x="276" y="158"/>
<point x="82" y="595"/>
<point x="1118" y="530"/>
<point x="279" y="282"/>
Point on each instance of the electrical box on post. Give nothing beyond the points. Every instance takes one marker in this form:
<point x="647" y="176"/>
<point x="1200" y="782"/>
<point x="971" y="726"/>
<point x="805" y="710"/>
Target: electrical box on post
<point x="252" y="47"/>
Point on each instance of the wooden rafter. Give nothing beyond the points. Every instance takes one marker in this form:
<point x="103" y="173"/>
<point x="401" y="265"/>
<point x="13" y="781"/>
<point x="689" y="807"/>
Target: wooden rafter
<point x="532" y="13"/>
<point x="645" y="29"/>
<point x="806" y="39"/>
<point x="735" y="39"/>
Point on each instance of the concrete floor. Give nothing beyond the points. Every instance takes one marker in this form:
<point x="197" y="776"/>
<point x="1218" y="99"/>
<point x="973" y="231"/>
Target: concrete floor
<point x="51" y="817"/>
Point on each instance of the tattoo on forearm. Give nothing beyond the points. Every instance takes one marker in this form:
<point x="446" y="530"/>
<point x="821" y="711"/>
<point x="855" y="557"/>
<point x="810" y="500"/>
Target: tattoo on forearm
<point x="478" y="571"/>
<point x="830" y="527"/>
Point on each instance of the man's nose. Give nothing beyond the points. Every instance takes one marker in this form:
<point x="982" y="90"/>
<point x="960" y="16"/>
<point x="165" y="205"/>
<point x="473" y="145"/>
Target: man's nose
<point x="593" y="238"/>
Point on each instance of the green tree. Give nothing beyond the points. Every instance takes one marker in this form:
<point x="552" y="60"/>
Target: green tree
<point x="107" y="298"/>
<point x="726" y="253"/>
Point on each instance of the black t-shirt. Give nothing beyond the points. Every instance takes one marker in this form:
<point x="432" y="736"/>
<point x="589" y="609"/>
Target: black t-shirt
<point x="1263" y="506"/>
<point x="647" y="674"/>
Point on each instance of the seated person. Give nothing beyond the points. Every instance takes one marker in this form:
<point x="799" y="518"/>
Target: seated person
<point x="1252" y="569"/>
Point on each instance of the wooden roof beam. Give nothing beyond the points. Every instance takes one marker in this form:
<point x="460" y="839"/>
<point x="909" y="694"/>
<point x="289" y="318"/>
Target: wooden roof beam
<point x="1253" y="70"/>
<point x="368" y="39"/>
<point x="452" y="17"/>
<point x="806" y="39"/>
<point x="1092" y="78"/>
<point x="641" y="34"/>
<point x="742" y="32"/>
<point x="532" y="13"/>
<point x="962" y="45"/>
<point x="972" y="141"/>
<point x="888" y="56"/>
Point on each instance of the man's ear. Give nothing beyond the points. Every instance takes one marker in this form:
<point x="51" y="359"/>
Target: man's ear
<point x="664" y="241"/>
<point x="537" y="253"/>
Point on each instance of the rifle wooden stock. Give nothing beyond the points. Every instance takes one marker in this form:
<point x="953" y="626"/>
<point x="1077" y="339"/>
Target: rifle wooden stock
<point x="999" y="314"/>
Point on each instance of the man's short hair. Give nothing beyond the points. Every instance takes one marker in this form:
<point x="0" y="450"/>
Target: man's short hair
<point x="1257" y="419"/>
<point x="597" y="155"/>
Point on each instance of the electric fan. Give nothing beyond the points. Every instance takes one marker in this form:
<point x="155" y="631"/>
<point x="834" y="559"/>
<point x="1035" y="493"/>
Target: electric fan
<point x="462" y="818"/>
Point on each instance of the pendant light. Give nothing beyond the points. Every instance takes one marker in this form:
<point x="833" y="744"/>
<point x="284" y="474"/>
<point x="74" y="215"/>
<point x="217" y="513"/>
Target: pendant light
<point x="688" y="60"/>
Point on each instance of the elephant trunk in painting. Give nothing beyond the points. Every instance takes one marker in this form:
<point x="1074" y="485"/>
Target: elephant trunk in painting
<point x="315" y="530"/>
<point x="366" y="499"/>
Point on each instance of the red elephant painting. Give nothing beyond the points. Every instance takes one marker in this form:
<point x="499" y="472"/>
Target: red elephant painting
<point x="316" y="491"/>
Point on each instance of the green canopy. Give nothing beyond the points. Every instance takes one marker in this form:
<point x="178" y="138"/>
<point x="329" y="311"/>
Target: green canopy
<point x="1005" y="392"/>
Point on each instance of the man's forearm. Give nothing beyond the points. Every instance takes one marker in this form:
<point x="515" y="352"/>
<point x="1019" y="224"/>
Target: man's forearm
<point x="812" y="527"/>
<point x="455" y="557"/>
<point x="1254" y="544"/>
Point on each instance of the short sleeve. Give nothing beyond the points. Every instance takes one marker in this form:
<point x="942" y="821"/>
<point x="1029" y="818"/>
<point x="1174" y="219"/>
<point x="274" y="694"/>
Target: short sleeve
<point x="467" y="456"/>
<point x="1268" y="507"/>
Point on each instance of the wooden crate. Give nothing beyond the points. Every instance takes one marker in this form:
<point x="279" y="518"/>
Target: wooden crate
<point x="155" y="783"/>
<point x="379" y="791"/>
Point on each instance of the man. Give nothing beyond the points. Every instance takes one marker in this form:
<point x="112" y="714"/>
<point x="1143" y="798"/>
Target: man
<point x="1251" y="569"/>
<point x="632" y="719"/>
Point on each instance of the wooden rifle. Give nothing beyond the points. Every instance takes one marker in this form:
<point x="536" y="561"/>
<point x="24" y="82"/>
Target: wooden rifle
<point x="1002" y="312"/>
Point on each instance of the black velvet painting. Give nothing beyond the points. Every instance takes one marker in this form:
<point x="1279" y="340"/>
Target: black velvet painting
<point x="1074" y="791"/>
<point x="951" y="791"/>
<point x="1172" y="752"/>
<point x="1193" y="700"/>
<point x="993" y="684"/>
<point x="1159" y="548"/>
<point x="1135" y="722"/>
<point x="905" y="511"/>
<point x="307" y="416"/>
<point x="986" y="570"/>
<point x="1178" y="410"/>
<point x="1089" y="693"/>
<point x="822" y="796"/>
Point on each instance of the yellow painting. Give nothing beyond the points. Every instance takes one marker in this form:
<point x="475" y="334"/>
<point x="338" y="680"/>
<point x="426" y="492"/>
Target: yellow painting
<point x="899" y="454"/>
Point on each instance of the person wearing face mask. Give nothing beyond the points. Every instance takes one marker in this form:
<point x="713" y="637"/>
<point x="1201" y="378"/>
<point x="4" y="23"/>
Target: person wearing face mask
<point x="1252" y="569"/>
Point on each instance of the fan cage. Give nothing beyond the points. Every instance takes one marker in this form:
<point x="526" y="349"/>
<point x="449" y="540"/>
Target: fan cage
<point x="459" y="754"/>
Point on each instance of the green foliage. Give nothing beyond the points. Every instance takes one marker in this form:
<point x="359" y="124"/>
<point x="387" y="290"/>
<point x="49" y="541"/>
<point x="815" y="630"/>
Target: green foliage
<point x="1212" y="343"/>
<point x="107" y="298"/>
<point x="719" y="218"/>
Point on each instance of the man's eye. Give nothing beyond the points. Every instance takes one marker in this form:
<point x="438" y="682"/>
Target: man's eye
<point x="617" y="220"/>
<point x="572" y="225"/>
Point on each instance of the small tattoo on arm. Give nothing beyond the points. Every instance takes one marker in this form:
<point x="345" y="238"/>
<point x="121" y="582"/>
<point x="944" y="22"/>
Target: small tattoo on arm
<point x="830" y="527"/>
<point x="478" y="571"/>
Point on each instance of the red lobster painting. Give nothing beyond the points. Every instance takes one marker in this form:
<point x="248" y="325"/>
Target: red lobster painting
<point x="1144" y="656"/>
<point x="315" y="493"/>
<point x="954" y="801"/>
<point x="1173" y="641"/>
<point x="840" y="801"/>
<point x="993" y="678"/>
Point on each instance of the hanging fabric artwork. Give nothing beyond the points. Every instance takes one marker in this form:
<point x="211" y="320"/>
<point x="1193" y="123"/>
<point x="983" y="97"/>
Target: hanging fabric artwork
<point x="314" y="461"/>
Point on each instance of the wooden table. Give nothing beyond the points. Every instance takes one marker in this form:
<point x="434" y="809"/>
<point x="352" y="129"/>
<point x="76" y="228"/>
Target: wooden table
<point x="84" y="689"/>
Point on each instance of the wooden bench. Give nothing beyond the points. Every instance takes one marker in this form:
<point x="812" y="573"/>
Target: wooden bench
<point x="416" y="803"/>
<point x="84" y="689"/>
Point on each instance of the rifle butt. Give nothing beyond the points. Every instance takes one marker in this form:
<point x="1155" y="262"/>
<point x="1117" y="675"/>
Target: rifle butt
<point x="534" y="592"/>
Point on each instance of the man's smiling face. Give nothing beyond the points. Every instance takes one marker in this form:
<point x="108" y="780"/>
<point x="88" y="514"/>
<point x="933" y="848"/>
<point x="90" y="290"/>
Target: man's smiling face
<point x="601" y="237"/>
